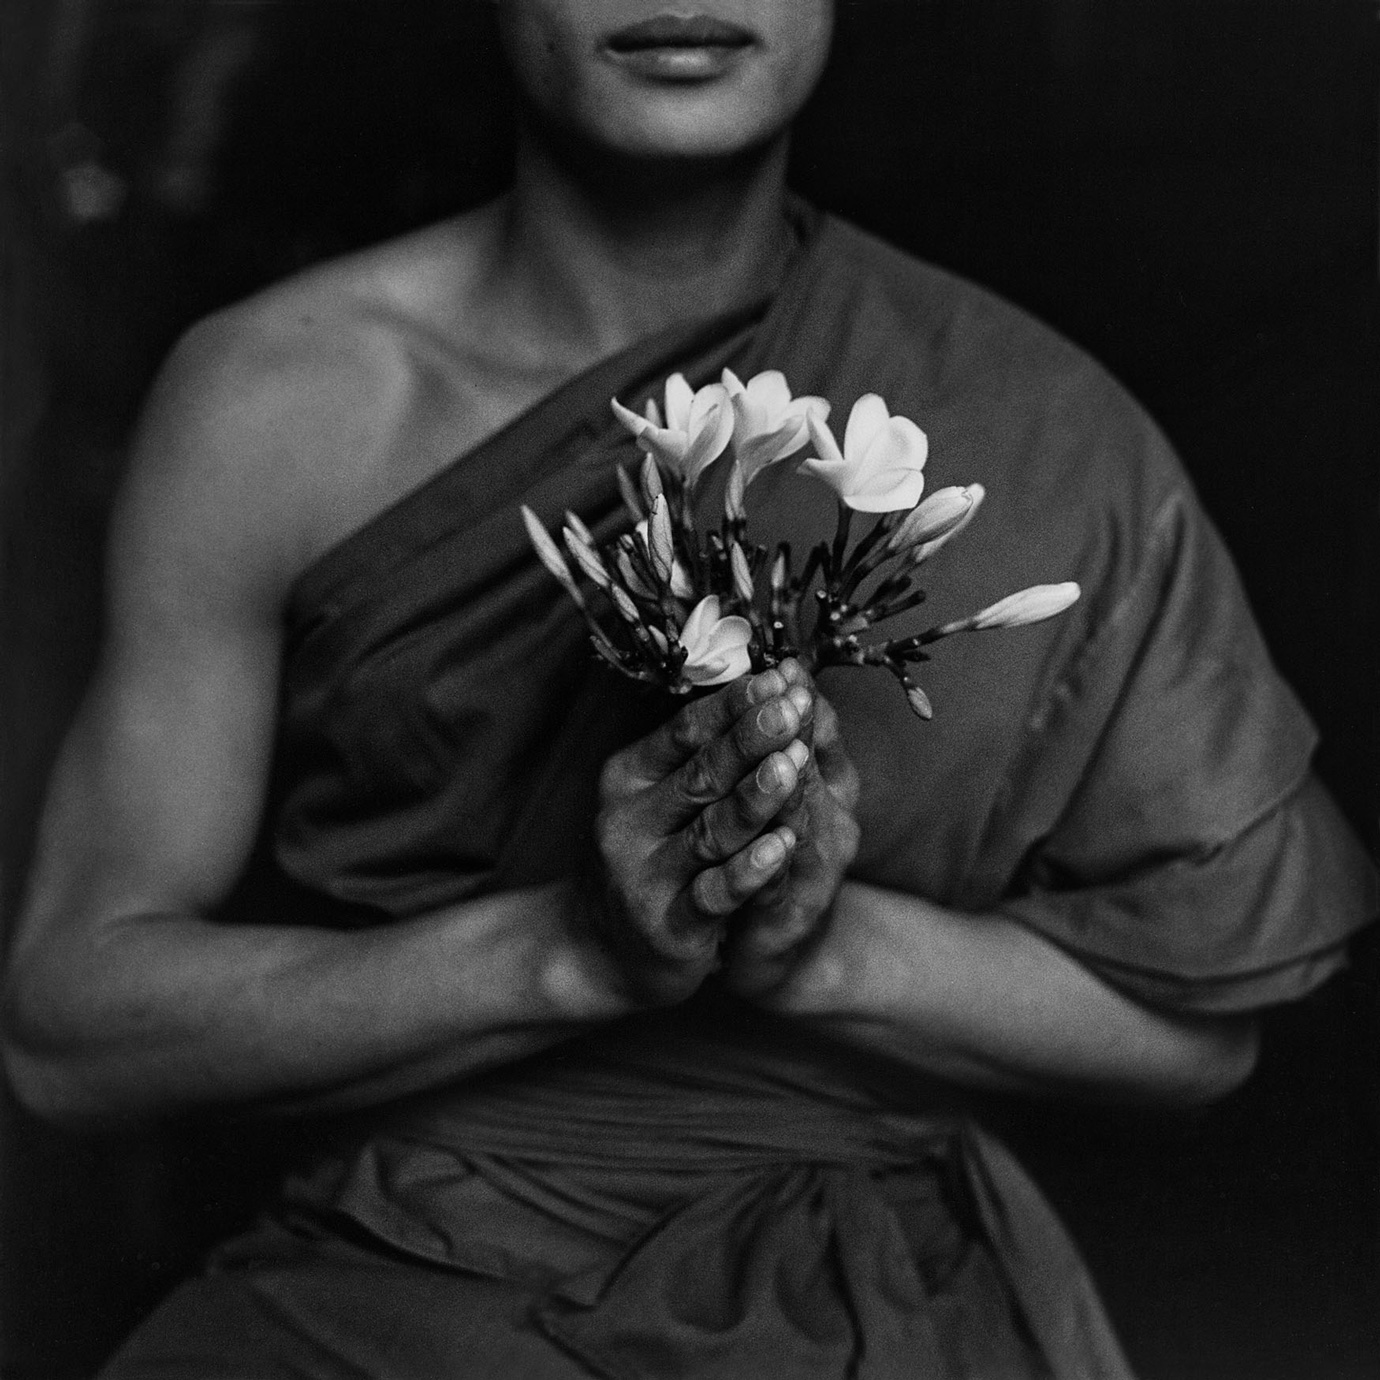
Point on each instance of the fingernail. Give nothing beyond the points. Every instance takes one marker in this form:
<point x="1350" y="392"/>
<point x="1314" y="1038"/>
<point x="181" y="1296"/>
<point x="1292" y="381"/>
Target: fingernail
<point x="768" y="852"/>
<point x="802" y="699"/>
<point x="799" y="754"/>
<point x="766" y="686"/>
<point x="772" y="718"/>
<point x="769" y="775"/>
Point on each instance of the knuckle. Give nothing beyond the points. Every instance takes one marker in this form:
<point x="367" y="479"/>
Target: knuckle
<point x="752" y="804"/>
<point x="610" y="832"/>
<point x="745" y="740"/>
<point x="829" y="730"/>
<point x="686" y="730"/>
<point x="615" y="777"/>
<point x="709" y="893"/>
<point x="738" y="696"/>
<point x="702" y="838"/>
<point x="699" y="783"/>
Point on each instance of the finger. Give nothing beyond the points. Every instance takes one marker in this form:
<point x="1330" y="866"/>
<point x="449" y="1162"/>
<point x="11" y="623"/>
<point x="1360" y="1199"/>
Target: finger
<point x="667" y="748"/>
<point x="719" y="891"/>
<point x="834" y="764"/>
<point x="717" y="832"/>
<point x="715" y="770"/>
<point x="798" y="678"/>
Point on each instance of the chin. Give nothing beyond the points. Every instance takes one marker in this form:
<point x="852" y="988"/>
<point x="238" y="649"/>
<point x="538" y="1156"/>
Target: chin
<point x="680" y="124"/>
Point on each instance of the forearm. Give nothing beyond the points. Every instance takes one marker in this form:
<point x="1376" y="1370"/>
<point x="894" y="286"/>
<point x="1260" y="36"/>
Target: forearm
<point x="155" y="1013"/>
<point x="983" y="1001"/>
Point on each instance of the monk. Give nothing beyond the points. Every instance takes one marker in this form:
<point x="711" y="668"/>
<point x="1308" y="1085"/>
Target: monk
<point x="638" y="1035"/>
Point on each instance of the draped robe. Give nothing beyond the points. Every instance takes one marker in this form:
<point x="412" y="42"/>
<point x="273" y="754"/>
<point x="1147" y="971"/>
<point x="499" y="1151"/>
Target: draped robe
<point x="711" y="1191"/>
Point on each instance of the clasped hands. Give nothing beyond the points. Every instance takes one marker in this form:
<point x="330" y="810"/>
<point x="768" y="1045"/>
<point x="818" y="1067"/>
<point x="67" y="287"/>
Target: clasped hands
<point x="722" y="838"/>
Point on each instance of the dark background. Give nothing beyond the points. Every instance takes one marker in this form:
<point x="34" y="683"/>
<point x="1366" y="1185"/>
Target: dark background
<point x="1185" y="187"/>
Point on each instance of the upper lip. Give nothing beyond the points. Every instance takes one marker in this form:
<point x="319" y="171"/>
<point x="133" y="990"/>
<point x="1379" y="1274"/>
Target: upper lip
<point x="680" y="31"/>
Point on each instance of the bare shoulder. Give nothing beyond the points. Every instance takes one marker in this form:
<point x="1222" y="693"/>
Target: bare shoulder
<point x="279" y="424"/>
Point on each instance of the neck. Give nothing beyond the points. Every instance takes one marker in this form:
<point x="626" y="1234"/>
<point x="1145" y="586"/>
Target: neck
<point x="594" y="257"/>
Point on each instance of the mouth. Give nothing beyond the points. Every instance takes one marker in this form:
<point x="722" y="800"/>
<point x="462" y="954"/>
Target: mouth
<point x="673" y="47"/>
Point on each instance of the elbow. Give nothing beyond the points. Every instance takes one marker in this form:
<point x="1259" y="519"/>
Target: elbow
<point x="42" y="1061"/>
<point x="1221" y="1056"/>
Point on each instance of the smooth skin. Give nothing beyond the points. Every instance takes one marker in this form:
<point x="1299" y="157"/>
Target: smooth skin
<point x="281" y="425"/>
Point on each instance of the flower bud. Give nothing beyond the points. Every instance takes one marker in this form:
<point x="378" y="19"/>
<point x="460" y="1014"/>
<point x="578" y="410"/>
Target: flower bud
<point x="631" y="578"/>
<point x="549" y="554"/>
<point x="575" y="525"/>
<point x="780" y="569"/>
<point x="652" y="488"/>
<point x="632" y="500"/>
<point x="624" y="604"/>
<point x="976" y="493"/>
<point x="681" y="584"/>
<point x="734" y="508"/>
<point x="941" y="512"/>
<point x="660" y="542"/>
<point x="919" y="702"/>
<point x="1026" y="606"/>
<point x="742" y="575"/>
<point x="587" y="558"/>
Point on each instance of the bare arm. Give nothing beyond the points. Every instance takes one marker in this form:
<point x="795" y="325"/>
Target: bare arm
<point x="122" y="998"/>
<point x="982" y="1000"/>
<point x="977" y="999"/>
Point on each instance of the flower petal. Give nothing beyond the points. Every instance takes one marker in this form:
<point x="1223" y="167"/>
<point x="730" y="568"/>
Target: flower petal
<point x="868" y="417"/>
<point x="900" y="444"/>
<point x="834" y="473"/>
<point x="708" y="401"/>
<point x="729" y="634"/>
<point x="699" y="623"/>
<point x="828" y="448"/>
<point x="890" y="492"/>
<point x="767" y="447"/>
<point x="635" y="424"/>
<point x="769" y="391"/>
<point x="679" y="396"/>
<point x="709" y="436"/>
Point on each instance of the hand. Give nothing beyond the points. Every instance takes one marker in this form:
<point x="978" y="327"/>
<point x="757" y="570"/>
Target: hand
<point x="688" y="831"/>
<point x="778" y="927"/>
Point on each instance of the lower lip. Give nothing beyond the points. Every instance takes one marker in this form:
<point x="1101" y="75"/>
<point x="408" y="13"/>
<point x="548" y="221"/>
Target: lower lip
<point x="681" y="64"/>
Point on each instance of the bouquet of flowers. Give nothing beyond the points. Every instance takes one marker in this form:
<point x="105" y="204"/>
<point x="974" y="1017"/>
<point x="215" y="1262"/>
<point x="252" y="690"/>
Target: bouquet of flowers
<point x="682" y="608"/>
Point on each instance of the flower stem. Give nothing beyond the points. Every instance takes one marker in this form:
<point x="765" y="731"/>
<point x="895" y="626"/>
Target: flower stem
<point x="845" y="522"/>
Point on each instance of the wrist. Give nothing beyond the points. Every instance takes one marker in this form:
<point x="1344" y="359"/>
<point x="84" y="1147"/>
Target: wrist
<point x="833" y="979"/>
<point x="577" y="976"/>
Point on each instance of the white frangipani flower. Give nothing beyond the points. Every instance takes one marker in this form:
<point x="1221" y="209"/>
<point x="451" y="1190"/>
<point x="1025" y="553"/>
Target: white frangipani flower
<point x="716" y="649"/>
<point x="881" y="466"/>
<point x="768" y="424"/>
<point x="697" y="430"/>
<point x="648" y="578"/>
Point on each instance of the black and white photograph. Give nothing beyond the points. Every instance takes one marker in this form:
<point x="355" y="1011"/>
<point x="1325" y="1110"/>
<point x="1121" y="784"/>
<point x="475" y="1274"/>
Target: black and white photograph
<point x="689" y="689"/>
